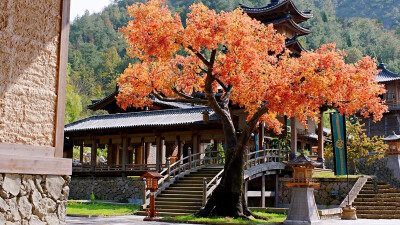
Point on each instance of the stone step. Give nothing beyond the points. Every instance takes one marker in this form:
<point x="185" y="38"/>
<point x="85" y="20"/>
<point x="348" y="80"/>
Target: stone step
<point x="180" y="203"/>
<point x="169" y="206"/>
<point x="370" y="204"/>
<point x="169" y="199"/>
<point x="377" y="199"/>
<point x="369" y="207"/>
<point x="377" y="216"/>
<point x="378" y="212"/>
<point x="190" y="211"/>
<point x="187" y="196"/>
<point x="180" y="191"/>
<point x="174" y="188"/>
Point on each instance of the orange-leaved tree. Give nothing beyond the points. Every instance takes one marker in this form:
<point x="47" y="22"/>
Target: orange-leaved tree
<point x="249" y="62"/>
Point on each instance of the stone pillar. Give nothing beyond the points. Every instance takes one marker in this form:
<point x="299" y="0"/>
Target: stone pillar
<point x="93" y="157"/>
<point x="293" y="136"/>
<point x="303" y="209"/>
<point x="321" y="142"/>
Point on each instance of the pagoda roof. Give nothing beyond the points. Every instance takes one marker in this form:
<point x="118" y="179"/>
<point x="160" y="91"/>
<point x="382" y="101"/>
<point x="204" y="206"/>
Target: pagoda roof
<point x="291" y="24"/>
<point x="386" y="75"/>
<point x="277" y="10"/>
<point x="144" y="119"/>
<point x="110" y="102"/>
<point x="295" y="46"/>
<point x="302" y="160"/>
<point x="392" y="137"/>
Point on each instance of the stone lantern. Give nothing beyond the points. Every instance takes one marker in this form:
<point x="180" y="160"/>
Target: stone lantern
<point x="303" y="209"/>
<point x="393" y="154"/>
<point x="151" y="185"/>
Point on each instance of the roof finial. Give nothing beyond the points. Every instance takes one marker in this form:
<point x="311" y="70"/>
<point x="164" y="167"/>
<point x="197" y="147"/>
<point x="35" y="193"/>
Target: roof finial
<point x="274" y="2"/>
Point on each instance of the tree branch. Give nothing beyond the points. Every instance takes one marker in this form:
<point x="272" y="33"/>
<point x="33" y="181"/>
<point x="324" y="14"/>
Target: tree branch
<point x="225" y="87"/>
<point x="200" y="56"/>
<point x="181" y="100"/>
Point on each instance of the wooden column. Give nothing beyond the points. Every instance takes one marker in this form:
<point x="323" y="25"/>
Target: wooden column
<point x="196" y="142"/>
<point x="158" y="151"/>
<point x="109" y="153"/>
<point x="276" y="190"/>
<point x="116" y="154"/>
<point x="93" y="157"/>
<point x="81" y="152"/>
<point x="147" y="152"/>
<point x="321" y="141"/>
<point x="139" y="154"/>
<point x="163" y="151"/>
<point x="263" y="191"/>
<point x="246" y="188"/>
<point x="124" y="151"/>
<point x="261" y="136"/>
<point x="180" y="152"/>
<point x="293" y="136"/>
<point x="142" y="145"/>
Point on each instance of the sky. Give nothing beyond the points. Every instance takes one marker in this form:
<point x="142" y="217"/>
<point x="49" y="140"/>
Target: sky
<point x="78" y="7"/>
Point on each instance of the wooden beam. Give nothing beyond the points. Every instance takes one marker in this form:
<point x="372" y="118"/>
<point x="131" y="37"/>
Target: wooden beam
<point x="158" y="152"/>
<point x="81" y="153"/>
<point x="35" y="165"/>
<point x="258" y="194"/>
<point x="124" y="151"/>
<point x="62" y="79"/>
<point x="26" y="150"/>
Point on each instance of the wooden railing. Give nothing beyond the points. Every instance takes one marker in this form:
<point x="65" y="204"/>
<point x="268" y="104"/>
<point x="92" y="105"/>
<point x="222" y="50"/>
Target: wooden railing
<point x="264" y="156"/>
<point x="118" y="168"/>
<point x="183" y="167"/>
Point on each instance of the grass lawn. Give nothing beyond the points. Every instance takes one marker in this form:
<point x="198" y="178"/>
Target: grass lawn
<point x="100" y="209"/>
<point x="332" y="175"/>
<point x="273" y="218"/>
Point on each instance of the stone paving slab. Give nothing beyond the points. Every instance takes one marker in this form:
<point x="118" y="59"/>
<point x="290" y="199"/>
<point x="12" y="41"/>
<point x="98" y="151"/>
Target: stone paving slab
<point x="138" y="220"/>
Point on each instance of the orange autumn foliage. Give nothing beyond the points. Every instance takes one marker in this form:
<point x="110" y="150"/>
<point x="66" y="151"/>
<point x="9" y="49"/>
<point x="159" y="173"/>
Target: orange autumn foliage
<point x="250" y="57"/>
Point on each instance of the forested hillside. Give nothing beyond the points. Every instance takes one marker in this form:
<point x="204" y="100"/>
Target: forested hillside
<point x="97" y="53"/>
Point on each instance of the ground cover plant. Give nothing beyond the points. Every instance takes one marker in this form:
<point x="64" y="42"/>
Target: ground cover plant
<point x="270" y="218"/>
<point x="100" y="209"/>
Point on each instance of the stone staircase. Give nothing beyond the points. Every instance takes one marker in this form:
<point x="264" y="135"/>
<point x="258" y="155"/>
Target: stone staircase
<point x="184" y="196"/>
<point x="382" y="205"/>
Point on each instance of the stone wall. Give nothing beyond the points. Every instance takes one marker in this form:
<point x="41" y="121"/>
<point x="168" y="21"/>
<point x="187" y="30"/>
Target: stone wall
<point x="322" y="194"/>
<point x="33" y="199"/>
<point x="107" y="188"/>
<point x="29" y="55"/>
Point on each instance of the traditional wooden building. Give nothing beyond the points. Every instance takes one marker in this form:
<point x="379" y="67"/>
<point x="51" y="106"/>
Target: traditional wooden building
<point x="391" y="120"/>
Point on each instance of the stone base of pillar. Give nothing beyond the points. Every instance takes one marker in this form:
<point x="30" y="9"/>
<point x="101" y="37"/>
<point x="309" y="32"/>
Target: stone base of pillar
<point x="393" y="163"/>
<point x="303" y="209"/>
<point x="321" y="160"/>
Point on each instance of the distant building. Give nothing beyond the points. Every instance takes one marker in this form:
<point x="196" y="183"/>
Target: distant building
<point x="391" y="120"/>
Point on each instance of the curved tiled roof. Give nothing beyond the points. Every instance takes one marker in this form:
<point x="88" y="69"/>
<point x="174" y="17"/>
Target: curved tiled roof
<point x="156" y="118"/>
<point x="283" y="6"/>
<point x="386" y="75"/>
<point x="300" y="31"/>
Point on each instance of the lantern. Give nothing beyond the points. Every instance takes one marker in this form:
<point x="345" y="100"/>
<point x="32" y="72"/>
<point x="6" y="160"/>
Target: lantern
<point x="151" y="180"/>
<point x="393" y="141"/>
<point x="302" y="205"/>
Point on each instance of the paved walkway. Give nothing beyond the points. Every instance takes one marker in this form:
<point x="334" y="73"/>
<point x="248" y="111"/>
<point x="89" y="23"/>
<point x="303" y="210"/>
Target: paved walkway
<point x="138" y="220"/>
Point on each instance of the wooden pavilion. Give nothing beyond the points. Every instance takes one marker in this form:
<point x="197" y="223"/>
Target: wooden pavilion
<point x="140" y="140"/>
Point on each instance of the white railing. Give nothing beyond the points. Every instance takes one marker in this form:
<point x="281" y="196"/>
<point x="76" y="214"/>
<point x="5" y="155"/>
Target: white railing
<point x="183" y="167"/>
<point x="264" y="156"/>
